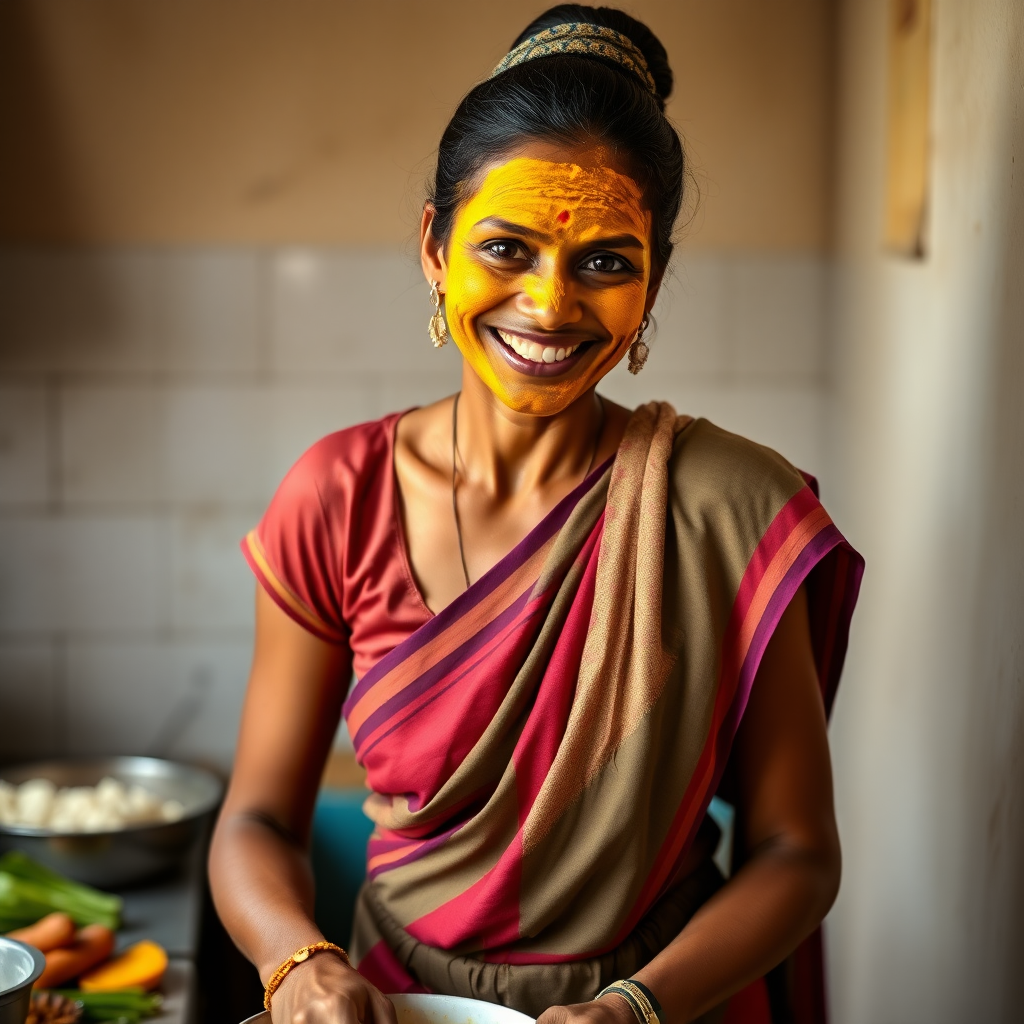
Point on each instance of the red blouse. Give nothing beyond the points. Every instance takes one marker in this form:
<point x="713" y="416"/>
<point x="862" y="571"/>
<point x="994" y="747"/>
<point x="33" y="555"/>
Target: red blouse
<point x="330" y="549"/>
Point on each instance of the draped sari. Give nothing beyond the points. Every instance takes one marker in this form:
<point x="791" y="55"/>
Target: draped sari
<point x="542" y="753"/>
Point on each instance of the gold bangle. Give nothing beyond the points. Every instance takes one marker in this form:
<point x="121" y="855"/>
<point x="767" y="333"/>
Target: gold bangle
<point x="636" y="996"/>
<point x="300" y="955"/>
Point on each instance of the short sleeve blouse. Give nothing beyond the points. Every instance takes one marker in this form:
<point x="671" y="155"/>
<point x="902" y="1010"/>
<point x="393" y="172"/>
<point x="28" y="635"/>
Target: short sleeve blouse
<point x="330" y="549"/>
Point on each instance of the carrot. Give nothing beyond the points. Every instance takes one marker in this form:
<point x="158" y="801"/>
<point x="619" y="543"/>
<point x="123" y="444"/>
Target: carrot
<point x="93" y="944"/>
<point x="50" y="932"/>
<point x="140" y="966"/>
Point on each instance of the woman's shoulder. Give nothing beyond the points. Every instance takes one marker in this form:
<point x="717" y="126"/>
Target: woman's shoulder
<point x="346" y="453"/>
<point x="714" y="466"/>
<point x="345" y="467"/>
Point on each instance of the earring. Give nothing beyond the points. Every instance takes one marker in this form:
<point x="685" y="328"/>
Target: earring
<point x="638" y="350"/>
<point x="436" y="328"/>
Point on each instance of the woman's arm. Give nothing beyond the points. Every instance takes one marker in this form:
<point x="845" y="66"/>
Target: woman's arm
<point x="259" y="869"/>
<point x="781" y="765"/>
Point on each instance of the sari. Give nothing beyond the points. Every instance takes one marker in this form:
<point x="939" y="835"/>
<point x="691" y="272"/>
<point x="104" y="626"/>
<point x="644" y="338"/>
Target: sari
<point x="542" y="753"/>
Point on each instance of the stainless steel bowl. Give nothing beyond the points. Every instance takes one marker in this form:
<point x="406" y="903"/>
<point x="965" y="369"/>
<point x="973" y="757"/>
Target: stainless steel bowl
<point x="120" y="857"/>
<point x="20" y="965"/>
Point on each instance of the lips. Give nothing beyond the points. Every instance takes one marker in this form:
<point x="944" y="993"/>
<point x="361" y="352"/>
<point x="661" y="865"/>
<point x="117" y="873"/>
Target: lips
<point x="527" y="355"/>
<point x="534" y="351"/>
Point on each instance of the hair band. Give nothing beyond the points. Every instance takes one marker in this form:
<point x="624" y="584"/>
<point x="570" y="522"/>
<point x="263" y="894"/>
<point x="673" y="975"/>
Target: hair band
<point x="583" y="38"/>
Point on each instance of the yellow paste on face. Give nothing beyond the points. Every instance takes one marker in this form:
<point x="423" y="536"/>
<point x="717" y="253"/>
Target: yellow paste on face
<point x="572" y="209"/>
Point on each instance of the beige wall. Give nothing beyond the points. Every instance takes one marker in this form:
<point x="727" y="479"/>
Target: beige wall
<point x="928" y="730"/>
<point x="271" y="121"/>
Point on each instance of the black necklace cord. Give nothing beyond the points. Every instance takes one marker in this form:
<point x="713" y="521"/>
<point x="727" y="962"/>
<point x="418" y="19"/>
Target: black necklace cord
<point x="455" y="470"/>
<point x="455" y="504"/>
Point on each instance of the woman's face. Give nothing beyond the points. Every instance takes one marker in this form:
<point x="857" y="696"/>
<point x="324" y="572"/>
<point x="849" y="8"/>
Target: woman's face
<point x="547" y="274"/>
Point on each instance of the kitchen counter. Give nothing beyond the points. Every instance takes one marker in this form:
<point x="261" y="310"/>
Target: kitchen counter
<point x="169" y="911"/>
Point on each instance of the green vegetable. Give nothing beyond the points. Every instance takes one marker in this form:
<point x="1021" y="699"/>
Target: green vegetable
<point x="29" y="891"/>
<point x="127" y="1005"/>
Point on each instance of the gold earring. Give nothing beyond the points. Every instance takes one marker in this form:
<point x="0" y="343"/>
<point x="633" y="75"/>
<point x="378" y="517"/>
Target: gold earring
<point x="436" y="328"/>
<point x="638" y="350"/>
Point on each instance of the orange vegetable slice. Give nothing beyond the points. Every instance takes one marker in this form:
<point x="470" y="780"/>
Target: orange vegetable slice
<point x="141" y="965"/>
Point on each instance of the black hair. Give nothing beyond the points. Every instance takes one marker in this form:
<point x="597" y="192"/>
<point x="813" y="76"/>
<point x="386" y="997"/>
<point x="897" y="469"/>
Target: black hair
<point x="572" y="99"/>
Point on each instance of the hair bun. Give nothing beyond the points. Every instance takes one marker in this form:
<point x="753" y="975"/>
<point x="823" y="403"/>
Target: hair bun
<point x="611" y="17"/>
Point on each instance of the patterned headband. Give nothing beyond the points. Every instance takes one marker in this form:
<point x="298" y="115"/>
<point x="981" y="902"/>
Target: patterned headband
<point x="583" y="38"/>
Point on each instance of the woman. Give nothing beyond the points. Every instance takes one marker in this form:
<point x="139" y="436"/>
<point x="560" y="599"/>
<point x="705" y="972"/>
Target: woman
<point x="571" y="624"/>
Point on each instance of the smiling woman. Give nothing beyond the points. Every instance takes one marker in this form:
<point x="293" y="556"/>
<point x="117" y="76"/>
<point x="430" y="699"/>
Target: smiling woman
<point x="571" y="624"/>
<point x="547" y="273"/>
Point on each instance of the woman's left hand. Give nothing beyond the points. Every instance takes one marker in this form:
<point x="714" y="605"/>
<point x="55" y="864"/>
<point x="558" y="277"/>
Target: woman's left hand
<point x="612" y="1009"/>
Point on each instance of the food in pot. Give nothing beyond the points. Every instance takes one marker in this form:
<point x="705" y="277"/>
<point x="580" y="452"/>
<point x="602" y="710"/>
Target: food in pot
<point x="106" y="807"/>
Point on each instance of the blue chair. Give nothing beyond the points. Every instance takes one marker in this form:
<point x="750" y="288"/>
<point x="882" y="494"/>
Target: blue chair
<point x="338" y="853"/>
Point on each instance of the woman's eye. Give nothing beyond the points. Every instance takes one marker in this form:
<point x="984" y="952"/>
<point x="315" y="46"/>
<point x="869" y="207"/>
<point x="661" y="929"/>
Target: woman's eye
<point x="504" y="250"/>
<point x="606" y="263"/>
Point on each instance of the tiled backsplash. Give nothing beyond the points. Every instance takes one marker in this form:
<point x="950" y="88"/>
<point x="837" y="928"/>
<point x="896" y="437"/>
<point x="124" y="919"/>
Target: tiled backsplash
<point x="150" y="401"/>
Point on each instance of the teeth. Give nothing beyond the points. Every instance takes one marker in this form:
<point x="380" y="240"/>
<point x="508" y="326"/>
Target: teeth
<point x="533" y="351"/>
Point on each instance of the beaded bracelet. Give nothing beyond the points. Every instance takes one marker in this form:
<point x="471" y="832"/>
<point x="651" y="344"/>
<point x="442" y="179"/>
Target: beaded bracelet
<point x="641" y="999"/>
<point x="274" y="981"/>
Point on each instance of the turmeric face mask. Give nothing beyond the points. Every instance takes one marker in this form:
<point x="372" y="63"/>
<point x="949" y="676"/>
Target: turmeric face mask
<point x="546" y="279"/>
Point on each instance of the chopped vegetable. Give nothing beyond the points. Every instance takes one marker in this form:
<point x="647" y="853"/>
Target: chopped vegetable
<point x="141" y="966"/>
<point x="29" y="891"/>
<point x="51" y="932"/>
<point x="127" y="1006"/>
<point x="93" y="944"/>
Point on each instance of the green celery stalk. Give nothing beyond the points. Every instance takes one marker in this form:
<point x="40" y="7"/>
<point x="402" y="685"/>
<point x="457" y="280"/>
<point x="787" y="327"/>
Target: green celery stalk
<point x="18" y="906"/>
<point x="21" y="866"/>
<point x="33" y="901"/>
<point x="129" y="1004"/>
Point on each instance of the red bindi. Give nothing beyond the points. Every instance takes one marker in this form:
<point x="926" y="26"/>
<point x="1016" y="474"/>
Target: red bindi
<point x="563" y="217"/>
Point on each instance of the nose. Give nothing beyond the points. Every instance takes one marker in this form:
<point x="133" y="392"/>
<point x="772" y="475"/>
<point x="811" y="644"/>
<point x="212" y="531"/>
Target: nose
<point x="549" y="298"/>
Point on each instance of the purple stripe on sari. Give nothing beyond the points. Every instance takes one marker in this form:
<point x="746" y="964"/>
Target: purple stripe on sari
<point x="491" y="579"/>
<point x="438" y="671"/>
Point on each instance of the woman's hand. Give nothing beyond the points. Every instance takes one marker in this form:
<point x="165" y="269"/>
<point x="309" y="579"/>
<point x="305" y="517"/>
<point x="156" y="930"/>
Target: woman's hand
<point x="611" y="1009"/>
<point x="323" y="990"/>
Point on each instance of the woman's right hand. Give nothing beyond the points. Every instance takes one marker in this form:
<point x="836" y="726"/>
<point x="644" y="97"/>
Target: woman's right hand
<point x="324" y="990"/>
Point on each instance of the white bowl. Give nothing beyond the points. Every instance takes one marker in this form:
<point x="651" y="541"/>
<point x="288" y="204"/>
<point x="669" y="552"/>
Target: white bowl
<point x="437" y="1009"/>
<point x="20" y="966"/>
<point x="434" y="1009"/>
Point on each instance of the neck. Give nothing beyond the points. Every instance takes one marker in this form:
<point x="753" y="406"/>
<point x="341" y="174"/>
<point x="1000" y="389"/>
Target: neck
<point x="506" y="452"/>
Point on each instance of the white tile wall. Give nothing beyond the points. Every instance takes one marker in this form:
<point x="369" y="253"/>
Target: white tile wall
<point x="150" y="402"/>
<point x="108" y="443"/>
<point x="212" y="587"/>
<point x="349" y="311"/>
<point x="106" y="574"/>
<point x="69" y="310"/>
<point x="24" y="444"/>
<point x="208" y="312"/>
<point x="777" y="309"/>
<point x="690" y="315"/>
<point x="177" y="698"/>
<point x="30" y="704"/>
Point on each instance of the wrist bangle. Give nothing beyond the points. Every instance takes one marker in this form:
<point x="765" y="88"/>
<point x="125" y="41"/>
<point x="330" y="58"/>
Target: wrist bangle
<point x="651" y="998"/>
<point x="645" y="1007"/>
<point x="300" y="955"/>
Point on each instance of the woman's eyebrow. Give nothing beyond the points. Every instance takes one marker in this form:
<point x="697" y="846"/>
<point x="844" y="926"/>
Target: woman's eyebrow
<point x="516" y="229"/>
<point x="618" y="242"/>
<point x="626" y="241"/>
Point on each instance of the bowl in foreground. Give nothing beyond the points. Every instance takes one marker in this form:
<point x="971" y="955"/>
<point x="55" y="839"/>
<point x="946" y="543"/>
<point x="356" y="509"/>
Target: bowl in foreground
<point x="20" y="965"/>
<point x="415" y="1008"/>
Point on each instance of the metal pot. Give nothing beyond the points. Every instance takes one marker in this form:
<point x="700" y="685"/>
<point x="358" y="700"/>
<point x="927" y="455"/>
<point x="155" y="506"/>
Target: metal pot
<point x="121" y="857"/>
<point x="20" y="965"/>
